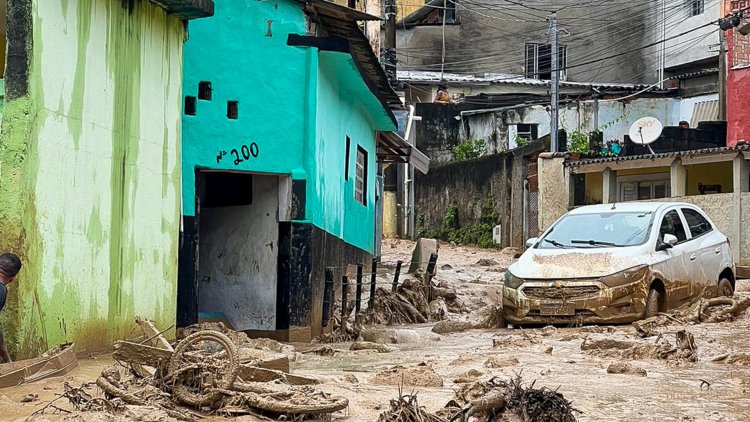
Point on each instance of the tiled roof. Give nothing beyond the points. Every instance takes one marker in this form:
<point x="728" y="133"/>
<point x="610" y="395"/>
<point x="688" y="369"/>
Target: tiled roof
<point x="670" y="154"/>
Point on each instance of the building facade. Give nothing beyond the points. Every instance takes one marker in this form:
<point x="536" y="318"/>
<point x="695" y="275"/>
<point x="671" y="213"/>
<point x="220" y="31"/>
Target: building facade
<point x="738" y="78"/>
<point x="286" y="113"/>
<point x="90" y="167"/>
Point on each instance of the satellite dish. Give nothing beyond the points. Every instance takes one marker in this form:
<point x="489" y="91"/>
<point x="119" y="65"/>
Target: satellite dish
<point x="645" y="131"/>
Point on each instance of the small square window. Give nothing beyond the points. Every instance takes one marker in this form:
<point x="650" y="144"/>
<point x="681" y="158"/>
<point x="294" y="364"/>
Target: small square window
<point x="233" y="109"/>
<point x="190" y="106"/>
<point x="360" y="181"/>
<point x="204" y="91"/>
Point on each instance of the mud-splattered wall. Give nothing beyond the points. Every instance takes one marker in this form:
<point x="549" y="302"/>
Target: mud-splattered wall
<point x="90" y="169"/>
<point x="469" y="185"/>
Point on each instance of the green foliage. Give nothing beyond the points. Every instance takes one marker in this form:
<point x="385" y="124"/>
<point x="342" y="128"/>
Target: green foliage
<point x="479" y="234"/>
<point x="469" y="150"/>
<point x="578" y="142"/>
<point x="522" y="141"/>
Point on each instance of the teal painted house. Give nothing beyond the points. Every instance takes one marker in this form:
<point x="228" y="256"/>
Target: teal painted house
<point x="287" y="117"/>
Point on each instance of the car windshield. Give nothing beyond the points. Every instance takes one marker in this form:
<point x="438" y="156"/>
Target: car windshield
<point x="599" y="230"/>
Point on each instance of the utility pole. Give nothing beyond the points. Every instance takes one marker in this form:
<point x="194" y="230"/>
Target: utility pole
<point x="389" y="52"/>
<point x="722" y="76"/>
<point x="555" y="83"/>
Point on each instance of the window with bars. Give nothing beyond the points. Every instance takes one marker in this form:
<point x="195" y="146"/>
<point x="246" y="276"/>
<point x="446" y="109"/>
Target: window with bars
<point x="696" y="7"/>
<point x="538" y="63"/>
<point x="638" y="191"/>
<point x="360" y="180"/>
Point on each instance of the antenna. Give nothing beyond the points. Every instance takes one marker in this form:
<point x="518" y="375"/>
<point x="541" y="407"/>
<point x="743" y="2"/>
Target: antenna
<point x="646" y="130"/>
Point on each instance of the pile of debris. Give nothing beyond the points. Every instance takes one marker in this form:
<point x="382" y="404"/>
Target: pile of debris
<point x="713" y="310"/>
<point x="209" y="371"/>
<point x="490" y="401"/>
<point x="417" y="300"/>
<point x="682" y="350"/>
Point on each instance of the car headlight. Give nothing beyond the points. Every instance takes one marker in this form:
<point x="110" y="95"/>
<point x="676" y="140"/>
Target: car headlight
<point x="630" y="275"/>
<point x="512" y="281"/>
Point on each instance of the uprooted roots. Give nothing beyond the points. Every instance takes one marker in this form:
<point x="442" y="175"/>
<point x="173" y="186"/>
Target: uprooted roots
<point x="491" y="401"/>
<point x="507" y="399"/>
<point x="406" y="408"/>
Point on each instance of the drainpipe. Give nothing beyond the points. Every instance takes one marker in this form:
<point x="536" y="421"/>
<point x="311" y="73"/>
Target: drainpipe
<point x="722" y="77"/>
<point x="409" y="217"/>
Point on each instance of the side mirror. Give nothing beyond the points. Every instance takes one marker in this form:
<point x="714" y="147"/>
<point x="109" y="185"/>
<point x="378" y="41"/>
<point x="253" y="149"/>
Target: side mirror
<point x="670" y="239"/>
<point x="531" y="242"/>
<point x="667" y="243"/>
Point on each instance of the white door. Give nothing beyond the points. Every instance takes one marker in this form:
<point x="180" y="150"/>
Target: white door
<point x="706" y="249"/>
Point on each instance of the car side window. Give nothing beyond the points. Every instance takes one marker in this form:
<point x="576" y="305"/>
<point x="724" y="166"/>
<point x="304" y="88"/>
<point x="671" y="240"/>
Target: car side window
<point x="697" y="223"/>
<point x="672" y="224"/>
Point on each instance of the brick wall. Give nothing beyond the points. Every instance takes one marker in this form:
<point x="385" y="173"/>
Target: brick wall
<point x="739" y="45"/>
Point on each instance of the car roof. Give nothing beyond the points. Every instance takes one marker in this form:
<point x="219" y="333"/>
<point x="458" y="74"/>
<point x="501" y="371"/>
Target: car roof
<point x="626" y="207"/>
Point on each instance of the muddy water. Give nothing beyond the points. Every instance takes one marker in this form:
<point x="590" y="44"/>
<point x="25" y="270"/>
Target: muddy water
<point x="669" y="392"/>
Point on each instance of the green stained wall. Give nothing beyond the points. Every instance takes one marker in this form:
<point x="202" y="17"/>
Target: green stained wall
<point x="90" y="174"/>
<point x="297" y="104"/>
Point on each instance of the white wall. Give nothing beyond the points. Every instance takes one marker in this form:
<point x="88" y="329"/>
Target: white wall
<point x="238" y="252"/>
<point x="695" y="45"/>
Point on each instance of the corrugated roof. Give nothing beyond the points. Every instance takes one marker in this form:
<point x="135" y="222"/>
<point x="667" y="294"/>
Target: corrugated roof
<point x="341" y="21"/>
<point x="435" y="77"/>
<point x="670" y="154"/>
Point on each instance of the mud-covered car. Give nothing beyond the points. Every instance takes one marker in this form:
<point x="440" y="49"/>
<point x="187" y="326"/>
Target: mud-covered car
<point x="616" y="263"/>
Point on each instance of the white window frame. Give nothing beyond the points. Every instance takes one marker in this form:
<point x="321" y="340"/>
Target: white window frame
<point x="696" y="7"/>
<point x="534" y="73"/>
<point x="643" y="178"/>
<point x="360" y="176"/>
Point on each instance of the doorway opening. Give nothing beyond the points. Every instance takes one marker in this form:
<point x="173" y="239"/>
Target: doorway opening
<point x="237" y="249"/>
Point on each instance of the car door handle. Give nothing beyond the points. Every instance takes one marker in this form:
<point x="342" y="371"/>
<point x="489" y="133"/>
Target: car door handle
<point x="693" y="257"/>
<point x="717" y="250"/>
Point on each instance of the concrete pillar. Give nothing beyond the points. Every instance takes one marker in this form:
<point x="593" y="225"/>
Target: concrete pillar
<point x="678" y="178"/>
<point x="609" y="186"/>
<point x="741" y="174"/>
<point x="390" y="215"/>
<point x="554" y="188"/>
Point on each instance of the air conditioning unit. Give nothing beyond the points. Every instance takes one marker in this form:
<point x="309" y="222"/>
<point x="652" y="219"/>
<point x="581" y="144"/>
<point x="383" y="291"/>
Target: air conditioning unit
<point x="497" y="234"/>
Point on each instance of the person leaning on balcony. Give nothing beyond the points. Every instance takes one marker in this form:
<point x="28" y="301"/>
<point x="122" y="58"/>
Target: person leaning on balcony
<point x="442" y="96"/>
<point x="10" y="265"/>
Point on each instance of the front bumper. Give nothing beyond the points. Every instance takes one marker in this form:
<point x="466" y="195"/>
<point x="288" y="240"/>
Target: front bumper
<point x="565" y="302"/>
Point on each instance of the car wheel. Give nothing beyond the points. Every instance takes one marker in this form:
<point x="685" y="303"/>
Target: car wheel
<point x="652" y="303"/>
<point x="725" y="288"/>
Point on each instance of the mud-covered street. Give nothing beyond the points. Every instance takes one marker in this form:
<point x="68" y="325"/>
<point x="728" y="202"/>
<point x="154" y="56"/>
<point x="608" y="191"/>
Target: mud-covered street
<point x="608" y="373"/>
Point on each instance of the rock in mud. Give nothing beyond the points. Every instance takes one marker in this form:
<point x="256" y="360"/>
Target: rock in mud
<point x="548" y="330"/>
<point x="734" y="358"/>
<point x="438" y="309"/>
<point x="366" y="345"/>
<point x="548" y="350"/>
<point x="606" y="344"/>
<point x="351" y="379"/>
<point x="484" y="262"/>
<point x="397" y="336"/>
<point x="421" y="254"/>
<point x="447" y="327"/>
<point x="468" y="376"/>
<point x="511" y="251"/>
<point x="625" y="368"/>
<point x="501" y="362"/>
<point x="446" y="267"/>
<point x="420" y="376"/>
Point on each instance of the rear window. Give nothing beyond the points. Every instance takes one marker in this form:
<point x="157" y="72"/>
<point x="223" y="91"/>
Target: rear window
<point x="697" y="223"/>
<point x="599" y="230"/>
